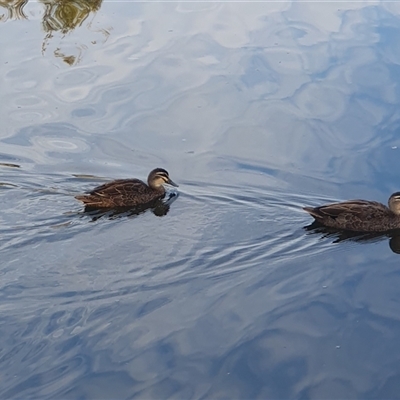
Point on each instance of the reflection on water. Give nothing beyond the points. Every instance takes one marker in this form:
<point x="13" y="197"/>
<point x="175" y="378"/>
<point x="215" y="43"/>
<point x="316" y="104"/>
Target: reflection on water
<point x="338" y="236"/>
<point x="259" y="108"/>
<point x="65" y="16"/>
<point x="14" y="9"/>
<point x="10" y="165"/>
<point x="62" y="16"/>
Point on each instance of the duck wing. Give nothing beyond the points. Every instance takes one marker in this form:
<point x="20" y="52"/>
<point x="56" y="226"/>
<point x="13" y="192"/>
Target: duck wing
<point x="358" y="208"/>
<point x="120" y="193"/>
<point x="355" y="215"/>
<point x="120" y="187"/>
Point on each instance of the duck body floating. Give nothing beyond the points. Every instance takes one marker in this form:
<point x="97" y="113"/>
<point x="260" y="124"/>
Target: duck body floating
<point x="128" y="192"/>
<point x="359" y="215"/>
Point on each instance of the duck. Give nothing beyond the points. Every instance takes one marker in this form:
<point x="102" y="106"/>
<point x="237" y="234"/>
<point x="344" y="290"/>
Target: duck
<point x="128" y="192"/>
<point x="359" y="215"/>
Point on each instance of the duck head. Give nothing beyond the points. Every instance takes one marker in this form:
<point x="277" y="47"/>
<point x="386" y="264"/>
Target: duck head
<point x="159" y="177"/>
<point x="394" y="203"/>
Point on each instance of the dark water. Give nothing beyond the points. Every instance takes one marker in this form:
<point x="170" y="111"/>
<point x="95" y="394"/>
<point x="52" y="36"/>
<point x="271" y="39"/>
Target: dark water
<point x="255" y="109"/>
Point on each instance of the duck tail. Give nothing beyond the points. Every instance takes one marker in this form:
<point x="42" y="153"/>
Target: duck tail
<point x="314" y="212"/>
<point x="84" y="199"/>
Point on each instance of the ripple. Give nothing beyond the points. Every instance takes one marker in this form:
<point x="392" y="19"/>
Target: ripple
<point x="285" y="60"/>
<point x="72" y="95"/>
<point x="73" y="145"/>
<point x="32" y="117"/>
<point x="76" y="77"/>
<point x="254" y="108"/>
<point x="321" y="102"/>
<point x="30" y="100"/>
<point x="83" y="112"/>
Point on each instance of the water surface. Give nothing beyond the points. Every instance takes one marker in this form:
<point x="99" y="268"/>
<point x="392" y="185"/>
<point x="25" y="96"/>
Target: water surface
<point x="255" y="109"/>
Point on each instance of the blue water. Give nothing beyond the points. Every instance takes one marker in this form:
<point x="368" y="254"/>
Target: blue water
<point x="256" y="110"/>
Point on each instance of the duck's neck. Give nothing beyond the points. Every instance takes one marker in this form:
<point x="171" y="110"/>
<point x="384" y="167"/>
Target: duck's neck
<point x="159" y="189"/>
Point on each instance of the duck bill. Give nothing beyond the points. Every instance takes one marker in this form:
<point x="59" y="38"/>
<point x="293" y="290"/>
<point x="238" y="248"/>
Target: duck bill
<point x="172" y="183"/>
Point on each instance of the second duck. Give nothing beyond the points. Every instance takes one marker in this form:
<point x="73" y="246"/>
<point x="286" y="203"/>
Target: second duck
<point x="359" y="215"/>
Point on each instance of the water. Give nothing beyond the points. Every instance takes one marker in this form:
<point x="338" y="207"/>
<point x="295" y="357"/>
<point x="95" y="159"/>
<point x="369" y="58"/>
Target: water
<point x="255" y="109"/>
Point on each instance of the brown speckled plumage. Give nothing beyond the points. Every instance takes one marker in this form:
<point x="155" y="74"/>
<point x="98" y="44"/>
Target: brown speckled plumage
<point x="359" y="215"/>
<point x="128" y="192"/>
